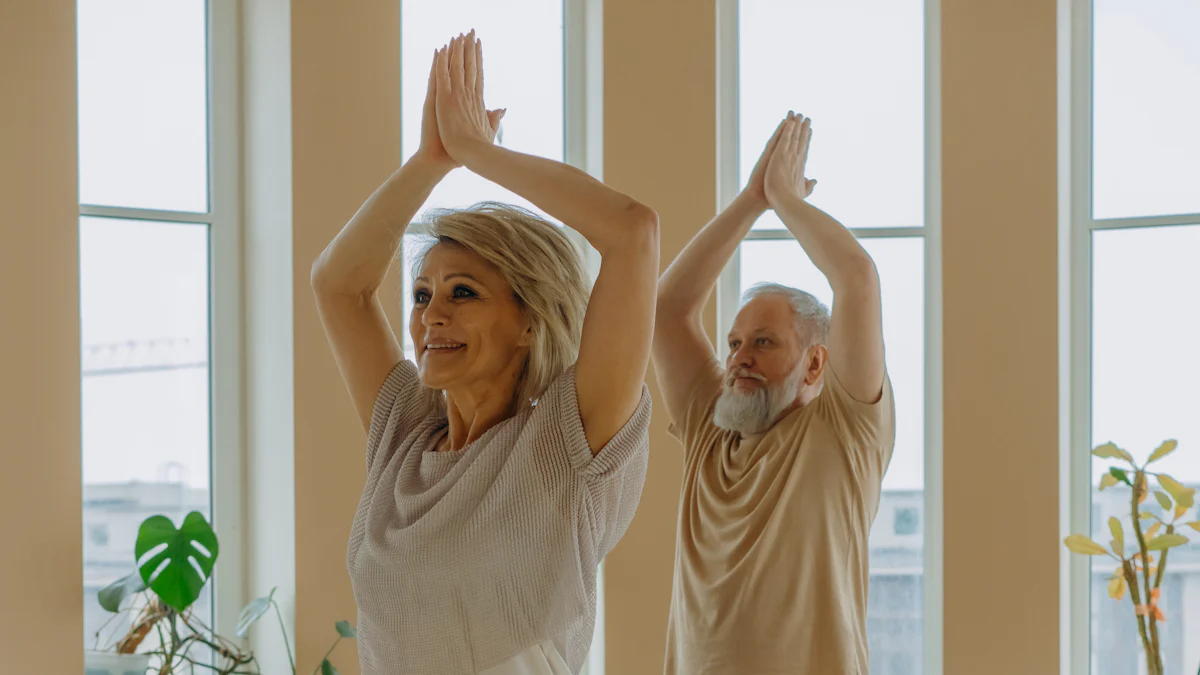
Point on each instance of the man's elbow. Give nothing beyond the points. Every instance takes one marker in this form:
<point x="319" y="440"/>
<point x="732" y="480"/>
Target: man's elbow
<point x="859" y="274"/>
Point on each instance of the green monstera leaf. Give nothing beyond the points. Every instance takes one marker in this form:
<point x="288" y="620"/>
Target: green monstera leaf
<point x="176" y="563"/>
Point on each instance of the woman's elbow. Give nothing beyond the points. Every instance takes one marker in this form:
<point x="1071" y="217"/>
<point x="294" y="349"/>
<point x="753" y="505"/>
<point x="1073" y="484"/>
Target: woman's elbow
<point x="640" y="225"/>
<point x="318" y="274"/>
<point x="645" y="219"/>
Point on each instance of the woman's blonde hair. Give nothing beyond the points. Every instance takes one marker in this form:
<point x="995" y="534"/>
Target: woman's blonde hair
<point x="544" y="269"/>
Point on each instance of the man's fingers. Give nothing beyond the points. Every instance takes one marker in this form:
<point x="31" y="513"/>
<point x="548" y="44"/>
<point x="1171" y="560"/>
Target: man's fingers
<point x="787" y="138"/>
<point x="774" y="140"/>
<point x="805" y="140"/>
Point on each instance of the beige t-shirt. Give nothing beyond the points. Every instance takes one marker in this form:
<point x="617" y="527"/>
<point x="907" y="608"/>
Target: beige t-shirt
<point x="771" y="552"/>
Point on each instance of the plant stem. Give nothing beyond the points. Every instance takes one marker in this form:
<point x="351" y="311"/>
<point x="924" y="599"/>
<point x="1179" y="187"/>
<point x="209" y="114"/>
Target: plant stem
<point x="1132" y="581"/>
<point x="335" y="644"/>
<point x="283" y="629"/>
<point x="1153" y="660"/>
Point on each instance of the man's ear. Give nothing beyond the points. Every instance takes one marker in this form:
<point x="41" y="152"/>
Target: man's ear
<point x="818" y="358"/>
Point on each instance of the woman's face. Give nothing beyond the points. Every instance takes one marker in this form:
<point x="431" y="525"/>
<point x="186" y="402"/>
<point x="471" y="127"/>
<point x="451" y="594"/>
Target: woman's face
<point x="466" y="325"/>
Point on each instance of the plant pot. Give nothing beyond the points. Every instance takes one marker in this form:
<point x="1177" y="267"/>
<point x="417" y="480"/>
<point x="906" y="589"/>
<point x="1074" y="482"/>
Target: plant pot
<point x="110" y="663"/>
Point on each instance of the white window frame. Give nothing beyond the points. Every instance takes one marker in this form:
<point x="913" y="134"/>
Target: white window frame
<point x="1077" y="224"/>
<point x="728" y="297"/>
<point x="226" y="490"/>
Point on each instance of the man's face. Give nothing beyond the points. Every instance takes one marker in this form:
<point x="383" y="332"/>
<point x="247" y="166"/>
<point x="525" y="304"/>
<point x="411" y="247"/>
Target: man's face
<point x="766" y="371"/>
<point x="764" y="346"/>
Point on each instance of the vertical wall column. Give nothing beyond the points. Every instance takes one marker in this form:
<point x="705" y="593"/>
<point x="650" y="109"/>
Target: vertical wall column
<point x="999" y="257"/>
<point x="322" y="128"/>
<point x="659" y="146"/>
<point x="41" y="560"/>
<point x="345" y="143"/>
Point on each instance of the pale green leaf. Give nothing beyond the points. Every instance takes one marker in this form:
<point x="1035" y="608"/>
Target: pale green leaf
<point x="1111" y="451"/>
<point x="1078" y="543"/>
<point x="1116" y="587"/>
<point x="1166" y="541"/>
<point x="1163" y="450"/>
<point x="1118" y="533"/>
<point x="1184" y="496"/>
<point x="1107" y="480"/>
<point x="1163" y="500"/>
<point x="1150" y="533"/>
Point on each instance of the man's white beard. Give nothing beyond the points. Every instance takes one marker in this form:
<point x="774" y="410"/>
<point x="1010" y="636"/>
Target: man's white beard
<point x="756" y="411"/>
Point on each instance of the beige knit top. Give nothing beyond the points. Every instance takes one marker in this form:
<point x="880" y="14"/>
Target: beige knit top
<point x="461" y="560"/>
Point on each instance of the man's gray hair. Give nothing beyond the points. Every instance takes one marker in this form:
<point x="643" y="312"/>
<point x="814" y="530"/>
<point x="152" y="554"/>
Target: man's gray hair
<point x="812" y="316"/>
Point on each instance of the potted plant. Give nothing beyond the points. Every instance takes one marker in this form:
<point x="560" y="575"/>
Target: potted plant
<point x="173" y="567"/>
<point x="1138" y="571"/>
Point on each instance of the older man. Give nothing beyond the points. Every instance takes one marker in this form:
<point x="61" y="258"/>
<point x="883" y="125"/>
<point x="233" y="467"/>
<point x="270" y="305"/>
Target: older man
<point x="785" y="447"/>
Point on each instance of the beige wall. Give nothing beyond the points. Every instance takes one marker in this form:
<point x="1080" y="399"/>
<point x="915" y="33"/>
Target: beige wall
<point x="659" y="146"/>
<point x="999" y="259"/>
<point x="41" y="559"/>
<point x="345" y="143"/>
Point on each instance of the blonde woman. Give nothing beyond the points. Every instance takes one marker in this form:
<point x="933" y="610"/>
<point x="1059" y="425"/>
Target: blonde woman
<point x="509" y="459"/>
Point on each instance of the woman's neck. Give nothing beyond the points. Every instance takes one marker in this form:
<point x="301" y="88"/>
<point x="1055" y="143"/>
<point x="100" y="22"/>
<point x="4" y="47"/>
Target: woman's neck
<point x="474" y="409"/>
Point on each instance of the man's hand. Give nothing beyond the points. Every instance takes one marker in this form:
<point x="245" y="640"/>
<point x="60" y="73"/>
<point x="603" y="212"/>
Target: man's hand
<point x="462" y="119"/>
<point x="784" y="177"/>
<point x="755" y="192"/>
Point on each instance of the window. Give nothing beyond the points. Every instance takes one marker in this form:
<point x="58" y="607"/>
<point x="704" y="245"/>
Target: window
<point x="98" y="534"/>
<point x="907" y="521"/>
<point x="1135" y="237"/>
<point x="864" y="85"/>
<point x="157" y="288"/>
<point x="524" y="50"/>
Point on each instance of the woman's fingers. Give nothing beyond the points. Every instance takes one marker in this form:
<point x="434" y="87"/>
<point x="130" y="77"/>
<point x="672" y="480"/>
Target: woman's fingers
<point x="479" y="68"/>
<point x="469" y="64"/>
<point x="494" y="117"/>
<point x="432" y="91"/>
<point x="456" y="63"/>
<point x="443" y="70"/>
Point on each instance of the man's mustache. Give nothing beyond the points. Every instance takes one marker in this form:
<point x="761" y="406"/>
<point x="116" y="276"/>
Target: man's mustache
<point x="736" y="372"/>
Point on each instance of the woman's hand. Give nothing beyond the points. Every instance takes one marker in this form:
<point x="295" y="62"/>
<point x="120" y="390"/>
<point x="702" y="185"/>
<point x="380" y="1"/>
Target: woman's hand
<point x="462" y="119"/>
<point x="784" y="175"/>
<point x="431" y="150"/>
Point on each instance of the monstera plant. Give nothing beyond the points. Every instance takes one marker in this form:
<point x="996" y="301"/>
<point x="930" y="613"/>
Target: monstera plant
<point x="1155" y="531"/>
<point x="173" y="567"/>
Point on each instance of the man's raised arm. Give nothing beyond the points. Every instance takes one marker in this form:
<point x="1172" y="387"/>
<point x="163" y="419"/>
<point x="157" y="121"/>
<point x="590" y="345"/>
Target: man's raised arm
<point x="856" y="326"/>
